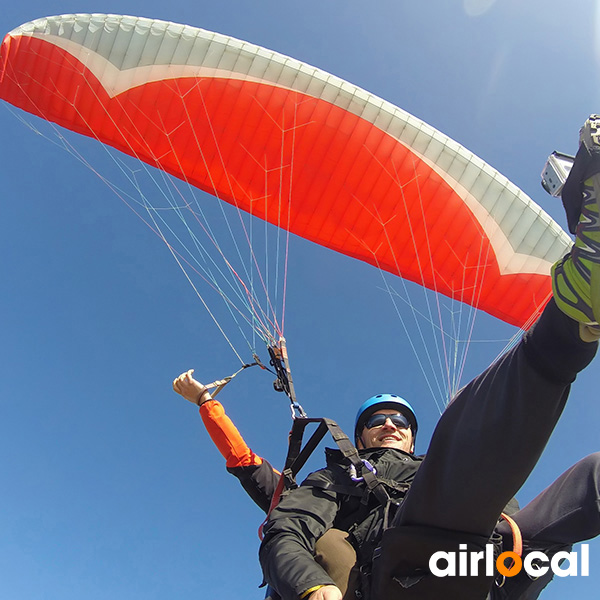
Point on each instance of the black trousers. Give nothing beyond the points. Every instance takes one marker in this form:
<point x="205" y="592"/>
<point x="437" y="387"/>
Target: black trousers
<point x="566" y="512"/>
<point x="491" y="436"/>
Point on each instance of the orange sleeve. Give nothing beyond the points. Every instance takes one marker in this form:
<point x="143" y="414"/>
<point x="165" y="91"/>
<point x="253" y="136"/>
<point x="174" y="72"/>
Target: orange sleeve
<point x="226" y="437"/>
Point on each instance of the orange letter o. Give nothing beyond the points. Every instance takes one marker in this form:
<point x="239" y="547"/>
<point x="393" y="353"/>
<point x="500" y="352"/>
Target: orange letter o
<point x="515" y="569"/>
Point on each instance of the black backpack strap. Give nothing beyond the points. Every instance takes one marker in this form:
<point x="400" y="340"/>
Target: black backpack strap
<point x="296" y="458"/>
<point x="298" y="455"/>
<point x="346" y="447"/>
<point x="339" y="488"/>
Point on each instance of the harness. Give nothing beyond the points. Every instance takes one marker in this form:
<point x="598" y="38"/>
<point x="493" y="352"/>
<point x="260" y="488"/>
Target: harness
<point x="297" y="456"/>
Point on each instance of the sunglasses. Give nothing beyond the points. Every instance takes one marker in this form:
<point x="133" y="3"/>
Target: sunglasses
<point x="399" y="420"/>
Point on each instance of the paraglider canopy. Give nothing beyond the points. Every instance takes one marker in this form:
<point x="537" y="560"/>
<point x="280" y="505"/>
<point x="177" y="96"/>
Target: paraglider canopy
<point x="294" y="146"/>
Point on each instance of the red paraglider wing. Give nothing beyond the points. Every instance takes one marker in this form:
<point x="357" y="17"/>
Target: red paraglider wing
<point x="294" y="146"/>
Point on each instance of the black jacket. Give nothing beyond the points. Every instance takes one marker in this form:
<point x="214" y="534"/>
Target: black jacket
<point x="259" y="482"/>
<point x="330" y="498"/>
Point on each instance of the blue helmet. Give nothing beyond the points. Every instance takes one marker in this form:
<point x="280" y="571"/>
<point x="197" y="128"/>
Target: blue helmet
<point x="380" y="402"/>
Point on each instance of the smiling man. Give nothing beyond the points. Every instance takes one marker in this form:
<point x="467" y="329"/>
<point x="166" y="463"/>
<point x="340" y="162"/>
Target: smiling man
<point x="384" y="431"/>
<point x="386" y="421"/>
<point x="334" y="501"/>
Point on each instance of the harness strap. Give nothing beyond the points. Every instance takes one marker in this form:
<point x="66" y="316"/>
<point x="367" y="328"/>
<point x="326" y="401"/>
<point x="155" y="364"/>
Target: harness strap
<point x="516" y="534"/>
<point x="349" y="451"/>
<point x="297" y="457"/>
<point x="346" y="490"/>
<point x="394" y="485"/>
<point x="219" y="384"/>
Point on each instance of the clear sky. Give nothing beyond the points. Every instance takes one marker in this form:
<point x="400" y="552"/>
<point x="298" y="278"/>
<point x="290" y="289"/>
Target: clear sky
<point x="110" y="486"/>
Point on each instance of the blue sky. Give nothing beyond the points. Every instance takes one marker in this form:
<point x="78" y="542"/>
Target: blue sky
<point x="110" y="486"/>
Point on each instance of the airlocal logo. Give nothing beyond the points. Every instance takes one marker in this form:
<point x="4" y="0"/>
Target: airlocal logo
<point x="509" y="564"/>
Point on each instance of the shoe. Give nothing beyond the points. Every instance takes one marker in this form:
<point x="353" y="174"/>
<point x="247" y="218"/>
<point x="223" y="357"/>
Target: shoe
<point x="576" y="277"/>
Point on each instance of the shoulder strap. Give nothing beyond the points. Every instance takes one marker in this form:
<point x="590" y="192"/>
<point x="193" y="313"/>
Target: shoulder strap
<point x="298" y="455"/>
